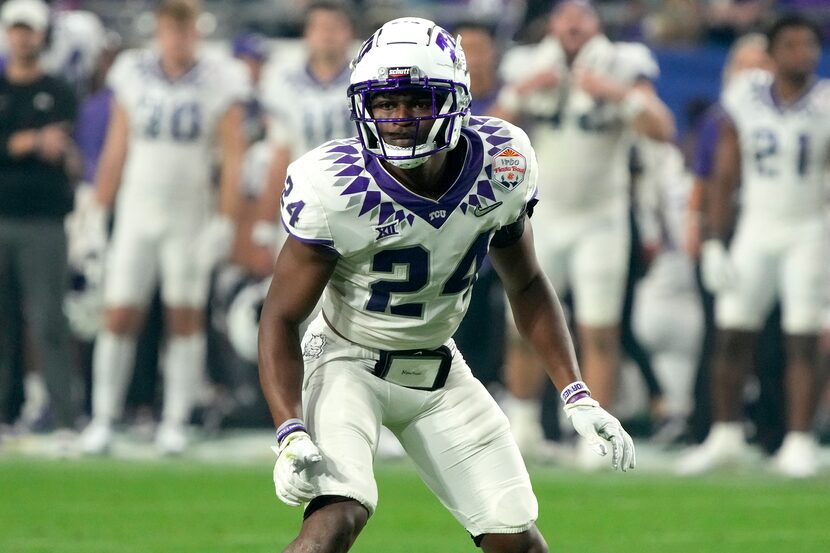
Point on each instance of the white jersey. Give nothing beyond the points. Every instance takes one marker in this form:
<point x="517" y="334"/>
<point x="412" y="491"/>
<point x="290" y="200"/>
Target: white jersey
<point x="663" y="200"/>
<point x="583" y="143"/>
<point x="173" y="126"/>
<point x="407" y="263"/>
<point x="784" y="149"/>
<point x="255" y="168"/>
<point x="304" y="113"/>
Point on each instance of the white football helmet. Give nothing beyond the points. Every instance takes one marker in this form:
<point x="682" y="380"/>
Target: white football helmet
<point x="83" y="303"/>
<point x="411" y="53"/>
<point x="243" y="319"/>
<point x="86" y="232"/>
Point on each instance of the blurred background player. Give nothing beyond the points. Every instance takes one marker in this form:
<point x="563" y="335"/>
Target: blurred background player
<point x="171" y="107"/>
<point x="38" y="162"/>
<point x="305" y="103"/>
<point x="252" y="49"/>
<point x="749" y="52"/>
<point x="583" y="97"/>
<point x="667" y="315"/>
<point x="775" y="144"/>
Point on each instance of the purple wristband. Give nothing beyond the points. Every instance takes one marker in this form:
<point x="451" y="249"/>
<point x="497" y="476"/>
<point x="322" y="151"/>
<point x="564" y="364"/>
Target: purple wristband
<point x="576" y="397"/>
<point x="577" y="388"/>
<point x="288" y="427"/>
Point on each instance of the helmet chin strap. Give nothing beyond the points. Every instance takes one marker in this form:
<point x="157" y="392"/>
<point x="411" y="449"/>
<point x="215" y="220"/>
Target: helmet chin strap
<point x="408" y="163"/>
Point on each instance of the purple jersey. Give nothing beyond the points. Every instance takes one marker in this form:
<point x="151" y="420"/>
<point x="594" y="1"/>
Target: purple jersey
<point x="91" y="130"/>
<point x="703" y="162"/>
<point x="481" y="105"/>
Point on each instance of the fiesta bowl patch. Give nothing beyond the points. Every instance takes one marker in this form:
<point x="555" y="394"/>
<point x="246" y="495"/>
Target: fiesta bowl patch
<point x="509" y="167"/>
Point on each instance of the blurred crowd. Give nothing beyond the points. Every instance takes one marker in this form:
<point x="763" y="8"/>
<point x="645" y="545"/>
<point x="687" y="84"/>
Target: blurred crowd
<point x="100" y="327"/>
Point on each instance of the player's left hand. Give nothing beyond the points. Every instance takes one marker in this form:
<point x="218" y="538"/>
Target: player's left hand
<point x="716" y="267"/>
<point x="215" y="242"/>
<point x="267" y="234"/>
<point x="596" y="425"/>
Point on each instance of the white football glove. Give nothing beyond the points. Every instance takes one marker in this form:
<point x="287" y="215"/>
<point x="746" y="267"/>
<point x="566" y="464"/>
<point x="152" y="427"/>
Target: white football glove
<point x="295" y="454"/>
<point x="86" y="227"/>
<point x="596" y="425"/>
<point x="214" y="243"/>
<point x="267" y="234"/>
<point x="717" y="271"/>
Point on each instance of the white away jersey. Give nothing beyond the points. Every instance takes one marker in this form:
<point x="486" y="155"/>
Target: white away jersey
<point x="173" y="124"/>
<point x="304" y="113"/>
<point x="407" y="263"/>
<point x="583" y="143"/>
<point x="784" y="148"/>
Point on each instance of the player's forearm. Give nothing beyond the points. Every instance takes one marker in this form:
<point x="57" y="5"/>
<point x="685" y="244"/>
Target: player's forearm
<point x="719" y="204"/>
<point x="655" y="120"/>
<point x="108" y="178"/>
<point x="280" y="368"/>
<point x="719" y="209"/>
<point x="540" y="320"/>
<point x="19" y="144"/>
<point x="233" y="153"/>
<point x="229" y="187"/>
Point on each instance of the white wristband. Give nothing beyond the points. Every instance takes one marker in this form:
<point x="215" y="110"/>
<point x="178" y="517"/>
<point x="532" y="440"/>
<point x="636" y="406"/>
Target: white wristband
<point x="572" y="389"/>
<point x="633" y="104"/>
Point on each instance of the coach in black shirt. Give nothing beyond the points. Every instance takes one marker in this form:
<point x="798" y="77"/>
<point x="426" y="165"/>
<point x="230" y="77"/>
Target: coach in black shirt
<point x="36" y="157"/>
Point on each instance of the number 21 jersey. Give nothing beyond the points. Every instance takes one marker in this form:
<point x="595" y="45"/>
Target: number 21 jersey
<point x="784" y="148"/>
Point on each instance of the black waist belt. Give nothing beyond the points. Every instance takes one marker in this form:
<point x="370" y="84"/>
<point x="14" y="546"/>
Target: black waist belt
<point x="418" y="369"/>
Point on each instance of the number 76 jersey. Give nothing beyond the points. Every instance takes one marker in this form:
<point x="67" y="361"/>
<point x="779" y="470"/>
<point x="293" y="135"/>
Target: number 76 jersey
<point x="784" y="148"/>
<point x="407" y="263"/>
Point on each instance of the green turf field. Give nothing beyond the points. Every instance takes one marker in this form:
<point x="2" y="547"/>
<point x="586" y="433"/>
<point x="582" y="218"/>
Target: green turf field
<point x="180" y="507"/>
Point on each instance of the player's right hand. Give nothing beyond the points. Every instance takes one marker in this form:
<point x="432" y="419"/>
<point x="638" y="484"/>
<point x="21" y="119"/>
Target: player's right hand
<point x="295" y="454"/>
<point x="53" y="143"/>
<point x="717" y="271"/>
<point x="598" y="426"/>
<point x="215" y="241"/>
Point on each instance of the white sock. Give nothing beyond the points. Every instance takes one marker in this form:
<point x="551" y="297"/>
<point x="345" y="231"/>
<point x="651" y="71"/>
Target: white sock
<point x="36" y="395"/>
<point x="184" y="365"/>
<point x="112" y="367"/>
<point x="726" y="433"/>
<point x="525" y="417"/>
<point x="524" y="411"/>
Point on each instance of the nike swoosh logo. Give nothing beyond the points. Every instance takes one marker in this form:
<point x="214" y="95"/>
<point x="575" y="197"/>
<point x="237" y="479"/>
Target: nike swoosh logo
<point x="481" y="211"/>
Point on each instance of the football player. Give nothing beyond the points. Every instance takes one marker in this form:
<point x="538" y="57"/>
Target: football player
<point x="305" y="103"/>
<point x="390" y="228"/>
<point x="171" y="107"/>
<point x="775" y="143"/>
<point x="667" y="315"/>
<point x="584" y="97"/>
